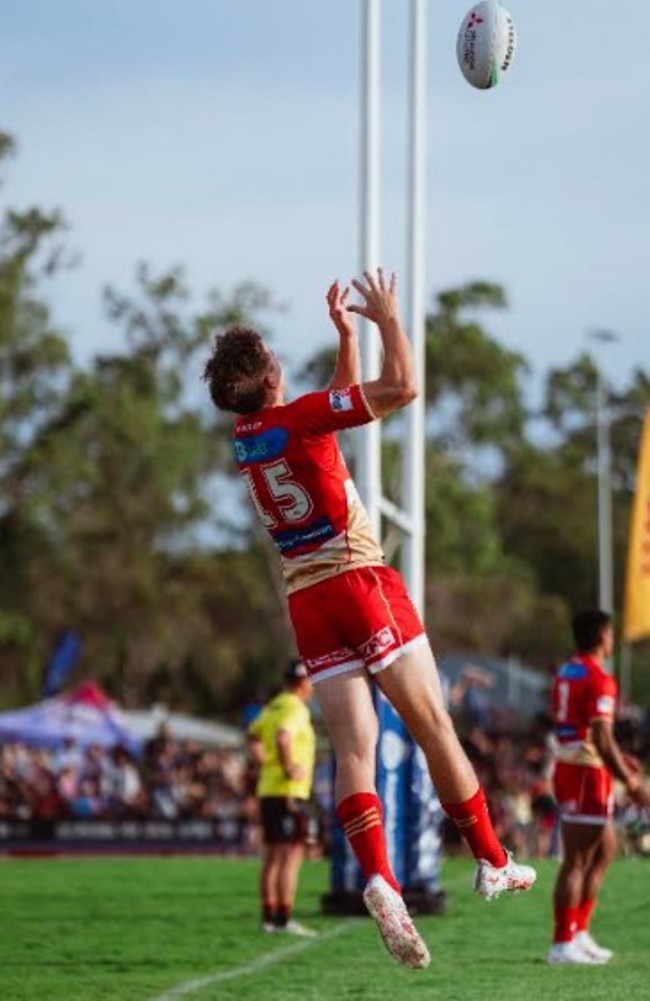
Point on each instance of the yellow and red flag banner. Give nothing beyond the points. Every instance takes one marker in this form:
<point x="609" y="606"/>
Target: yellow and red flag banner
<point x="636" y="620"/>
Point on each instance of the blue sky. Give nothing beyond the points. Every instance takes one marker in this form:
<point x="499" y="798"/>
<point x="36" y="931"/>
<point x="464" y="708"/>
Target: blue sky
<point x="223" y="135"/>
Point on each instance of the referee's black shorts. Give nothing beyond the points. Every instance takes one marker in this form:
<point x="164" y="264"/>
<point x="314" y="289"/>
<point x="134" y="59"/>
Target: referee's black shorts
<point x="285" y="820"/>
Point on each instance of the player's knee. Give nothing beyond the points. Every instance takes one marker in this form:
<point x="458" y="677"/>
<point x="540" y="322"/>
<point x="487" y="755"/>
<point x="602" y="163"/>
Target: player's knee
<point x="360" y="758"/>
<point x="432" y="723"/>
<point x="356" y="765"/>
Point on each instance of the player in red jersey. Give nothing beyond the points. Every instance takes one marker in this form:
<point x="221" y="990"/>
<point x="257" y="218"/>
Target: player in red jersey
<point x="354" y="622"/>
<point x="587" y="757"/>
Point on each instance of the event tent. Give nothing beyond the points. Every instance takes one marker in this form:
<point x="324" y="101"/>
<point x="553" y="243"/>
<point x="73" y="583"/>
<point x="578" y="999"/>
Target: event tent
<point x="146" y="723"/>
<point x="87" y="715"/>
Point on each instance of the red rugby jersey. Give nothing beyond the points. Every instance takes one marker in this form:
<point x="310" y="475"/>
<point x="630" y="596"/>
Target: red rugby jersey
<point x="301" y="487"/>
<point x="582" y="692"/>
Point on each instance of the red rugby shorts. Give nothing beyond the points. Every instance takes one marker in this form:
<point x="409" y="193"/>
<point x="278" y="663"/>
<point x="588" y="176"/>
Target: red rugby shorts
<point x="360" y="618"/>
<point x="584" y="794"/>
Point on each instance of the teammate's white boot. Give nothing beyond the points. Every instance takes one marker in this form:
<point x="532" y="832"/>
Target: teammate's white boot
<point x="295" y="928"/>
<point x="587" y="944"/>
<point x="511" y="878"/>
<point x="291" y="928"/>
<point x="400" y="935"/>
<point x="571" y="953"/>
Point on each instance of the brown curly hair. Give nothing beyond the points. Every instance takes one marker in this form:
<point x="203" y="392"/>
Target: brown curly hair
<point x="236" y="369"/>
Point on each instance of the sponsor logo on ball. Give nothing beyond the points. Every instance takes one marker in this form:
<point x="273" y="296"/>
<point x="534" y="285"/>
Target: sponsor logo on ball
<point x="511" y="45"/>
<point x="469" y="46"/>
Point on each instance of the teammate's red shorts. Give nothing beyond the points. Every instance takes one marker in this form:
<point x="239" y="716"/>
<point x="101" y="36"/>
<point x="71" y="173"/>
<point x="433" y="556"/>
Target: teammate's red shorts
<point x="583" y="793"/>
<point x="360" y="618"/>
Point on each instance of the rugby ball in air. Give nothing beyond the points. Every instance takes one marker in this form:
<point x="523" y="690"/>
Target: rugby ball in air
<point x="486" y="44"/>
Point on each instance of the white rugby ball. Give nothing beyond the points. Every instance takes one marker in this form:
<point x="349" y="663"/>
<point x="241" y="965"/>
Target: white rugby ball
<point x="486" y="44"/>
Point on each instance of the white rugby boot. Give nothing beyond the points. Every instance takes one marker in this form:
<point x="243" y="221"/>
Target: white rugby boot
<point x="510" y="878"/>
<point x="295" y="928"/>
<point x="587" y="944"/>
<point x="396" y="928"/>
<point x="570" y="953"/>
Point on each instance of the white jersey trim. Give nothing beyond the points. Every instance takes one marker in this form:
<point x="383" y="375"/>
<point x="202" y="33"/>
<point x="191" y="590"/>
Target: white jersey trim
<point x="583" y="818"/>
<point x="366" y="403"/>
<point x="332" y="672"/>
<point x="391" y="657"/>
<point x="356" y="664"/>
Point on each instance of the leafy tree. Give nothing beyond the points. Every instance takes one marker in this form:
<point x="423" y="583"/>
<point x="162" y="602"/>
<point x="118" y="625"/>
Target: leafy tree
<point x="461" y="521"/>
<point x="473" y="384"/>
<point x="548" y="493"/>
<point x="107" y="475"/>
<point x="127" y="470"/>
<point x="35" y="367"/>
<point x="121" y="513"/>
<point x="547" y="518"/>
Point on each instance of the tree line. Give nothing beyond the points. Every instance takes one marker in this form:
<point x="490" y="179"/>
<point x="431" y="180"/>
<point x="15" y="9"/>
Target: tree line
<point x="121" y="515"/>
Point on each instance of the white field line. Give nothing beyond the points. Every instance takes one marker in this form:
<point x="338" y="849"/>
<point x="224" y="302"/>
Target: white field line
<point x="278" y="955"/>
<point x="268" y="959"/>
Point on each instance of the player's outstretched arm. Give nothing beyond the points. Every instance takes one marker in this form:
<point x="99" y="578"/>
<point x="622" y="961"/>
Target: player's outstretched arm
<point x="348" y="362"/>
<point x="396" y="385"/>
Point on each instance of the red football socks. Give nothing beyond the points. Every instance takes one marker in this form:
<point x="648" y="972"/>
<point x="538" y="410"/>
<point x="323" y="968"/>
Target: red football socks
<point x="566" y="923"/>
<point x="585" y="911"/>
<point x="473" y="821"/>
<point x="282" y="915"/>
<point x="360" y="816"/>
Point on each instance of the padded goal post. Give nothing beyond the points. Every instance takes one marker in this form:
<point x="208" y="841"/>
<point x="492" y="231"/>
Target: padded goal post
<point x="412" y="812"/>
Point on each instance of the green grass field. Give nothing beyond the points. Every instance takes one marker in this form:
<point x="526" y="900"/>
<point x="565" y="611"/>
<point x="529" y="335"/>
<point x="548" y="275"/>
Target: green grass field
<point x="158" y="929"/>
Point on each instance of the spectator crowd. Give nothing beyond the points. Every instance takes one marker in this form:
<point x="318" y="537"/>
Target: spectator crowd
<point x="181" y="780"/>
<point x="514" y="763"/>
<point x="173" y="780"/>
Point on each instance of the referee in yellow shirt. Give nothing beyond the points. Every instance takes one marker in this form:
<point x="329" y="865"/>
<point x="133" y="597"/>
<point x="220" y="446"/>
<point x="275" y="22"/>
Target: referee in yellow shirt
<point x="283" y="742"/>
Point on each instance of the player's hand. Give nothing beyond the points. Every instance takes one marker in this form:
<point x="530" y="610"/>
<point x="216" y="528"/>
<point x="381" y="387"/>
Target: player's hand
<point x="641" y="797"/>
<point x="339" y="315"/>
<point x="296" y="773"/>
<point x="380" y="299"/>
<point x="633" y="763"/>
<point x="639" y="794"/>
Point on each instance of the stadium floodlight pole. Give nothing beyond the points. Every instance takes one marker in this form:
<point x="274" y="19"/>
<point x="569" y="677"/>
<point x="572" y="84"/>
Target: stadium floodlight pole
<point x="413" y="483"/>
<point x="605" y="552"/>
<point x="368" y="438"/>
<point x="605" y="559"/>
